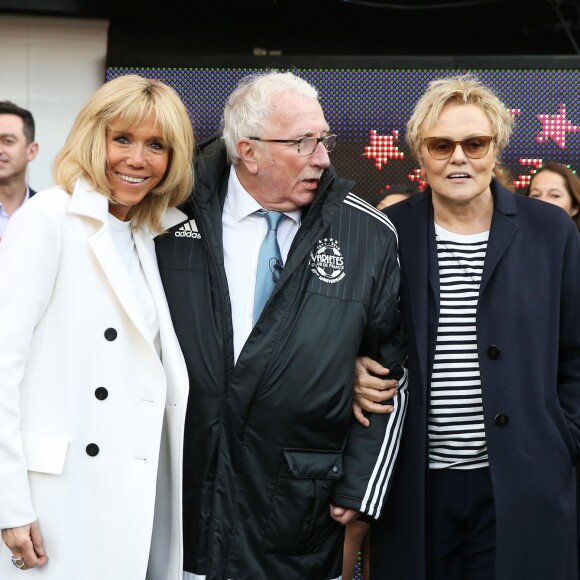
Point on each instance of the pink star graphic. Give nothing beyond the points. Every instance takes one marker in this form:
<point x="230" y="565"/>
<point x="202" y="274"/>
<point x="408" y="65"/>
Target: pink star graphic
<point x="418" y="176"/>
<point x="523" y="181"/>
<point x="555" y="127"/>
<point x="383" y="148"/>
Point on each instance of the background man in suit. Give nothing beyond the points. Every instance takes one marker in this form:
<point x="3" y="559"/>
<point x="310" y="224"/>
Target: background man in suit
<point x="17" y="149"/>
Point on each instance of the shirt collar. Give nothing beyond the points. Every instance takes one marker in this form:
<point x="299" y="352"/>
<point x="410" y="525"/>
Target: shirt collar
<point x="26" y="198"/>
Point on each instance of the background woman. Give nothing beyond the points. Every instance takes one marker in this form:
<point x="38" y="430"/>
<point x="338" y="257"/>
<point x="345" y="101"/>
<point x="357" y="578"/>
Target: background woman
<point x="484" y="488"/>
<point x="93" y="385"/>
<point x="557" y="184"/>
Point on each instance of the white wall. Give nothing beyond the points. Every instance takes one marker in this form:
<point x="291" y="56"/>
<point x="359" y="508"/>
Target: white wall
<point x="50" y="66"/>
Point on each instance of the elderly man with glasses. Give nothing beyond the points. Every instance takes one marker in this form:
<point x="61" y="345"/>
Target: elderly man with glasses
<point x="277" y="277"/>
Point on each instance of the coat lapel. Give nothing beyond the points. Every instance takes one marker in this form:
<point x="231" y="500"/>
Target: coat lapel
<point x="419" y="271"/>
<point x="503" y="229"/>
<point x="90" y="204"/>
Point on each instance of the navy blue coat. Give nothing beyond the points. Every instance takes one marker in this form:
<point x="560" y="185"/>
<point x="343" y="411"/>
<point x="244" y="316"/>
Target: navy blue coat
<point x="528" y="329"/>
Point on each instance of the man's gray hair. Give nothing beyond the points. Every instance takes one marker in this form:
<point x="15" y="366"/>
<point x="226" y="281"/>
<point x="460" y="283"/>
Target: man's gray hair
<point x="248" y="106"/>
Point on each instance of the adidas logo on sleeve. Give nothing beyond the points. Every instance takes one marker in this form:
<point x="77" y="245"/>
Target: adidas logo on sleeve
<point x="188" y="230"/>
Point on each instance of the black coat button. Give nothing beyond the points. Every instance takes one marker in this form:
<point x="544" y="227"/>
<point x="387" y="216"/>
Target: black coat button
<point x="101" y="393"/>
<point x="110" y="334"/>
<point x="501" y="420"/>
<point x="493" y="351"/>
<point x="92" y="449"/>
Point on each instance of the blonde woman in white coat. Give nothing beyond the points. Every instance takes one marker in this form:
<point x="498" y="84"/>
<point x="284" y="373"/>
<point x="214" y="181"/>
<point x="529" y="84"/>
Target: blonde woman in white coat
<point x="93" y="385"/>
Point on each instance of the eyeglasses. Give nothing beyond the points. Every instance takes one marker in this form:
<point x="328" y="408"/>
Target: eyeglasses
<point x="442" y="148"/>
<point x="305" y="145"/>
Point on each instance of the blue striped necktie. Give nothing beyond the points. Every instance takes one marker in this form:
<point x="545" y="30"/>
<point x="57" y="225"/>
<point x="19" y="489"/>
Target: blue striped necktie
<point x="269" y="262"/>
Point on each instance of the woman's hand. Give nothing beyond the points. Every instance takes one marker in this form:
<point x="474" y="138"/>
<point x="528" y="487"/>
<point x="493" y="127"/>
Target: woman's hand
<point x="343" y="515"/>
<point x="25" y="543"/>
<point x="370" y="389"/>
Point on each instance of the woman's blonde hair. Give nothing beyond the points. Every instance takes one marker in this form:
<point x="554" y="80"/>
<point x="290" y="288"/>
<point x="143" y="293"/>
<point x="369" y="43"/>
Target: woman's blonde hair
<point x="463" y="89"/>
<point x="130" y="99"/>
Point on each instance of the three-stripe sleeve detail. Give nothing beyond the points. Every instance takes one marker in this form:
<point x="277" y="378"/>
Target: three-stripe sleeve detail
<point x="381" y="476"/>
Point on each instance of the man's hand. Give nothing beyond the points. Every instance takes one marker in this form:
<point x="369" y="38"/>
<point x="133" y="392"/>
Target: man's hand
<point x="343" y="515"/>
<point x="371" y="390"/>
<point x="25" y="543"/>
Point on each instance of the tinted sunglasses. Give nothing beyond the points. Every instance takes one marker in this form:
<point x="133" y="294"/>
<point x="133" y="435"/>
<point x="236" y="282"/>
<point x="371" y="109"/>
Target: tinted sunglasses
<point x="473" y="147"/>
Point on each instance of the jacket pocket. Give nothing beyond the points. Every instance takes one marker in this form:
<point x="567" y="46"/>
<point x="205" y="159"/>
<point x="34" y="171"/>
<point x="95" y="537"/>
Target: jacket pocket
<point x="559" y="420"/>
<point x="298" y="521"/>
<point x="44" y="452"/>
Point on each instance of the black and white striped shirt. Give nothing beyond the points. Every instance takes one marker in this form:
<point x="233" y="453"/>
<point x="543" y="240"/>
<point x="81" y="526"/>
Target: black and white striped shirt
<point x="456" y="428"/>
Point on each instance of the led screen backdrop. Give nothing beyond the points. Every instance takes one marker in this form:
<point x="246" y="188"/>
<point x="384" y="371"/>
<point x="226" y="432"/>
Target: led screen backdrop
<point x="368" y="110"/>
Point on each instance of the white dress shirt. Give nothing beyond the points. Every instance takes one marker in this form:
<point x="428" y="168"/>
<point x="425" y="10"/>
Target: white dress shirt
<point x="4" y="217"/>
<point x="243" y="233"/>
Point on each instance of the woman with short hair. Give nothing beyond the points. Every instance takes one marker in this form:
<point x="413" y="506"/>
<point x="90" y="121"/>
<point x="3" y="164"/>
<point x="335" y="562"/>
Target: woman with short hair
<point x="484" y="487"/>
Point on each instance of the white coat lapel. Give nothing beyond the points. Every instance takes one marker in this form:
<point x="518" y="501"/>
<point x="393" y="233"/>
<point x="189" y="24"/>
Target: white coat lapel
<point x="89" y="203"/>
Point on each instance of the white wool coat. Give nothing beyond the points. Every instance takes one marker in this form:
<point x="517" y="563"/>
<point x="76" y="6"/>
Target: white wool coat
<point x="101" y="474"/>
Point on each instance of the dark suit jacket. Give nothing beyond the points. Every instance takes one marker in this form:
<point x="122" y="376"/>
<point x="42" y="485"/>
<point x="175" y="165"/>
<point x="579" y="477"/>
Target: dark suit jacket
<point x="528" y="329"/>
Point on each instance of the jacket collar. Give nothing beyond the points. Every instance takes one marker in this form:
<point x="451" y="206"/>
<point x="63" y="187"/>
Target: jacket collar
<point x="172" y="217"/>
<point x="87" y="202"/>
<point x="213" y="170"/>
<point x="503" y="200"/>
<point x="504" y="226"/>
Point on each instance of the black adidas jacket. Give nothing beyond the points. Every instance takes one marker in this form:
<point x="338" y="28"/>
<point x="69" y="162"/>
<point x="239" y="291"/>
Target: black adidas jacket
<point x="271" y="442"/>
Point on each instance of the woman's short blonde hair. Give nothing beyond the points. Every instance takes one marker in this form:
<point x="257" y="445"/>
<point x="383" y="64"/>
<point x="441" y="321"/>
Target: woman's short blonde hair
<point x="130" y="99"/>
<point x="464" y="89"/>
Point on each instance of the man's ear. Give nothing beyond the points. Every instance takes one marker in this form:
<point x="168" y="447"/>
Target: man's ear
<point x="249" y="154"/>
<point x="32" y="151"/>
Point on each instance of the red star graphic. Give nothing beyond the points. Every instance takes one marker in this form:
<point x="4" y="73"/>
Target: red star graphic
<point x="418" y="176"/>
<point x="383" y="148"/>
<point x="523" y="181"/>
<point x="555" y="127"/>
